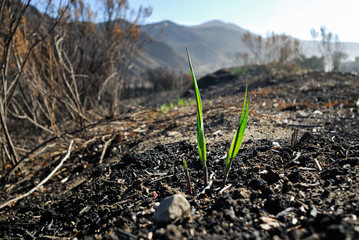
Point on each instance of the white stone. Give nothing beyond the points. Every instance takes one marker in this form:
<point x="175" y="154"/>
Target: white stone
<point x="171" y="208"/>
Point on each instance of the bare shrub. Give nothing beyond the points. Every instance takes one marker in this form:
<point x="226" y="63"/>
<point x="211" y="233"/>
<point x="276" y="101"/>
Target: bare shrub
<point x="18" y="41"/>
<point x="241" y="58"/>
<point x="331" y="48"/>
<point x="103" y="52"/>
<point x="255" y="44"/>
<point x="56" y="70"/>
<point x="278" y="51"/>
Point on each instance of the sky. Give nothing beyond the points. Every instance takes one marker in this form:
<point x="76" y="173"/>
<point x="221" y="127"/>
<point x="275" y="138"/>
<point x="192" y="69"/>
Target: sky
<point x="292" y="17"/>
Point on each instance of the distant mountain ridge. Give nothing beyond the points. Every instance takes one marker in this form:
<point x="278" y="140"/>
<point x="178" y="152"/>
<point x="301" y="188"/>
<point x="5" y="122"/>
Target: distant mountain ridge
<point x="212" y="46"/>
<point x="219" y="23"/>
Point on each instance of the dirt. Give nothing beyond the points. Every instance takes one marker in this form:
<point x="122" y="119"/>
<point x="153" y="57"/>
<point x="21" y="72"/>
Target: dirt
<point x="295" y="177"/>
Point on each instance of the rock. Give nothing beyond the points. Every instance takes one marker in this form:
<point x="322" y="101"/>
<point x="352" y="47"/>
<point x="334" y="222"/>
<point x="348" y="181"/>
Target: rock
<point x="171" y="208"/>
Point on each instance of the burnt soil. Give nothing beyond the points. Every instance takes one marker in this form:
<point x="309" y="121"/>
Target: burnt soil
<point x="295" y="177"/>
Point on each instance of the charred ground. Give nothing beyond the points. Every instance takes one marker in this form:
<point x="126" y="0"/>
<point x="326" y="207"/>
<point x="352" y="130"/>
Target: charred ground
<point x="278" y="189"/>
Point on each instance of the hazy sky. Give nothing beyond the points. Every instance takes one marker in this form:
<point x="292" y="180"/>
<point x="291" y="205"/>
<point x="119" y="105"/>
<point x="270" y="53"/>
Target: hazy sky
<point x="293" y="17"/>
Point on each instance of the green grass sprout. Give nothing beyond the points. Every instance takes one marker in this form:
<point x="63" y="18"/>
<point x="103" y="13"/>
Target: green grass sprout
<point x="238" y="138"/>
<point x="187" y="176"/>
<point x="200" y="130"/>
<point x="180" y="102"/>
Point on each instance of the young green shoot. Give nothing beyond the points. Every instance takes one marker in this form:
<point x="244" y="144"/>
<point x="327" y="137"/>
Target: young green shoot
<point x="238" y="138"/>
<point x="180" y="102"/>
<point x="200" y="130"/>
<point x="187" y="176"/>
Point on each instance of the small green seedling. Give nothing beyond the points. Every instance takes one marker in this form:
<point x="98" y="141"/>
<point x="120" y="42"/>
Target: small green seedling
<point x="187" y="176"/>
<point x="180" y="102"/>
<point x="238" y="138"/>
<point x="200" y="130"/>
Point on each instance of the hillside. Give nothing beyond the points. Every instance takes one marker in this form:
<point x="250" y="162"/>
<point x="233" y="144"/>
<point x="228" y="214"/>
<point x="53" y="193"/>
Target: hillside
<point x="213" y="45"/>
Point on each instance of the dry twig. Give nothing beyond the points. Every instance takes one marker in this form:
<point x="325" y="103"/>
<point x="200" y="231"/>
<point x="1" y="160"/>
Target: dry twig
<point x="43" y="181"/>
<point x="318" y="164"/>
<point x="105" y="148"/>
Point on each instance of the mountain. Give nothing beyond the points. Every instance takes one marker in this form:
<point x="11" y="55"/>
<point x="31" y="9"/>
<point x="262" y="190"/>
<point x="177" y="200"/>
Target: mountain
<point x="157" y="54"/>
<point x="212" y="46"/>
<point x="219" y="23"/>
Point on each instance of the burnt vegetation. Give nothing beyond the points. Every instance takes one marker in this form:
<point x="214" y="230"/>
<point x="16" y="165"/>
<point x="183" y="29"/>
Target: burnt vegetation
<point x="64" y="70"/>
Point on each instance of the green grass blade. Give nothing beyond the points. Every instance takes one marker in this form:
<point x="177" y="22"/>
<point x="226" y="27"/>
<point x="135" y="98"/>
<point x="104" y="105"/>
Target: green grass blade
<point x="242" y="129"/>
<point x="238" y="138"/>
<point x="187" y="177"/>
<point x="184" y="164"/>
<point x="200" y="129"/>
<point x="244" y="104"/>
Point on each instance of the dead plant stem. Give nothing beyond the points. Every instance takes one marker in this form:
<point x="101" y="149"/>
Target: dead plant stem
<point x="43" y="181"/>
